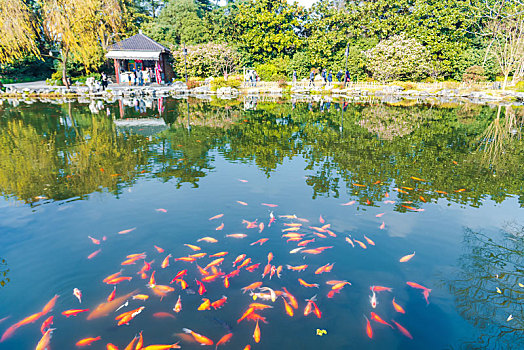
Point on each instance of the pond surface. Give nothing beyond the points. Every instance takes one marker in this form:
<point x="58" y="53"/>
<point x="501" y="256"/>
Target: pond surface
<point x="366" y="184"/>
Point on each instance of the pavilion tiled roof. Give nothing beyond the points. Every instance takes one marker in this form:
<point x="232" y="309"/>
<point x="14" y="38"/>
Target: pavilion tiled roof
<point x="138" y="42"/>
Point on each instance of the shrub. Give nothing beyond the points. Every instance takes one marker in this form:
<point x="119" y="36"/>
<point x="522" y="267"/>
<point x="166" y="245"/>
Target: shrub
<point x="474" y="74"/>
<point x="206" y="60"/>
<point x="274" y="70"/>
<point x="399" y="58"/>
<point x="233" y="82"/>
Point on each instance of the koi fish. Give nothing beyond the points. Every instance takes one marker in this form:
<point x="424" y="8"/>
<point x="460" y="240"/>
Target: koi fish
<point x="161" y="210"/>
<point x="142" y="297"/>
<point x="378" y="319"/>
<point x="165" y="263"/>
<point x="380" y="215"/>
<point x="369" y="240"/>
<point x="208" y="240"/>
<point x="305" y="284"/>
<point x="219" y="254"/>
<point x="402" y="330"/>
<point x="325" y="268"/>
<point x="297" y="268"/>
<point x="241" y="203"/>
<point x="389" y="202"/>
<point x="248" y="312"/>
<point x="244" y="263"/>
<point x="339" y="285"/>
<point x="441" y="192"/>
<point x="111" y="296"/>
<point x="163" y="315"/>
<point x="105" y="309"/>
<point x="348" y="203"/>
<point x="186" y="259"/>
<point x="199" y="337"/>
<point x="158" y="249"/>
<point x="193" y="247"/>
<point x="292" y="300"/>
<point x="416" y="285"/>
<point x="123" y="232"/>
<point x="271" y="219"/>
<point x="252" y="286"/>
<point x="111" y="346"/>
<point x="93" y="254"/>
<point x="209" y="278"/>
<point x="256" y="333"/>
<point x="87" y="341"/>
<point x="260" y="241"/>
<point x="197" y="255"/>
<point x="219" y="303"/>
<point x="309" y="306"/>
<point x="369" y="330"/>
<point x="306" y="242"/>
<point x="397" y="307"/>
<point x="78" y="294"/>
<point x="73" y="312"/>
<point x="407" y="257"/>
<point x="237" y="235"/>
<point x="350" y="241"/>
<point x="269" y="205"/>
<point x="218" y="216"/>
<point x="46" y="324"/>
<point x="253" y="267"/>
<point x="239" y="259"/>
<point x="224" y="339"/>
<point x="183" y="284"/>
<point x="43" y="343"/>
<point x="358" y="185"/>
<point x="460" y="190"/>
<point x="242" y="180"/>
<point x="382" y="226"/>
<point x="215" y="262"/>
<point x="361" y="244"/>
<point x="94" y="240"/>
<point x="380" y="289"/>
<point x="220" y="227"/>
<point x="260" y="227"/>
<point x="296" y="250"/>
<point x="201" y="287"/>
<point x="373" y="300"/>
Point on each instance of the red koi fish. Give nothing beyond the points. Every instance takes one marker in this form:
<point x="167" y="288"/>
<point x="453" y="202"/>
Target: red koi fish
<point x="260" y="241"/>
<point x="402" y="330"/>
<point x="87" y="341"/>
<point x="93" y="254"/>
<point x="224" y="339"/>
<point x="369" y="330"/>
<point x="111" y="296"/>
<point x="46" y="324"/>
<point x="201" y="287"/>
<point x="219" y="303"/>
<point x="252" y="267"/>
<point x="378" y="319"/>
<point x="380" y="289"/>
<point x="398" y="308"/>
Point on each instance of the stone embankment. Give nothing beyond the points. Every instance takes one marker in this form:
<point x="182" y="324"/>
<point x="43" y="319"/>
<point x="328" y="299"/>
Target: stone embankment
<point x="387" y="93"/>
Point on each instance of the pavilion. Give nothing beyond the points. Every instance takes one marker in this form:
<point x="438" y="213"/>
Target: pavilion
<point x="138" y="53"/>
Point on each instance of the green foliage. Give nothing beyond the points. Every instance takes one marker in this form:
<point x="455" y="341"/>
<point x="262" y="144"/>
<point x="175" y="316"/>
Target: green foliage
<point x="474" y="74"/>
<point x="27" y="69"/>
<point x="205" y="60"/>
<point x="233" y="82"/>
<point x="274" y="70"/>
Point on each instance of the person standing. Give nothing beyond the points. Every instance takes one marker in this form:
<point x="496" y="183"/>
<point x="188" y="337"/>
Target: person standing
<point x="324" y="75"/>
<point x="294" y="77"/>
<point x="340" y="75"/>
<point x="347" y="78"/>
<point x="330" y="78"/>
<point x="312" y="78"/>
<point x="104" y="81"/>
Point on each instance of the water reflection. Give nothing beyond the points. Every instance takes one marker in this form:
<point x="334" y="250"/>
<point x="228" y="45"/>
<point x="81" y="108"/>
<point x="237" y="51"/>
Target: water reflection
<point x="378" y="146"/>
<point x="488" y="288"/>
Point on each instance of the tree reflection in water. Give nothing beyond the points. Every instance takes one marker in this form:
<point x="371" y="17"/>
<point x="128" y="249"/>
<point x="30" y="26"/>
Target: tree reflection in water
<point x="3" y="272"/>
<point x="489" y="287"/>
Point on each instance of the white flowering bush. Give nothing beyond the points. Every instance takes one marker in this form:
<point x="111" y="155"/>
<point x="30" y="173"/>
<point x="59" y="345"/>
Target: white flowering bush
<point x="205" y="60"/>
<point x="398" y="58"/>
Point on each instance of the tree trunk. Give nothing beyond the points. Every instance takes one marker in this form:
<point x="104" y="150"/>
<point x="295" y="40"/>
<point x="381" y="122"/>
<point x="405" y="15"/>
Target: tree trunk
<point x="64" y="68"/>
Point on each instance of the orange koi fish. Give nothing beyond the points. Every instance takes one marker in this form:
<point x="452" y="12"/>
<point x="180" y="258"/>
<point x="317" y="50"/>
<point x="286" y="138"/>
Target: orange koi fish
<point x="197" y="255"/>
<point x="369" y="330"/>
<point x="219" y="303"/>
<point x="250" y="224"/>
<point x="418" y="179"/>
<point x="161" y="290"/>
<point x="111" y="277"/>
<point x="460" y="190"/>
<point x="248" y="312"/>
<point x="219" y="254"/>
<point x="209" y="278"/>
<point x="407" y="257"/>
<point x="193" y="247"/>
<point x="226" y="282"/>
<point x="305" y="242"/>
<point x="142" y="297"/>
<point x="183" y="284"/>
<point x="292" y="300"/>
<point x="237" y="235"/>
<point x="201" y="287"/>
<point x="165" y="263"/>
<point x="441" y="192"/>
<point x="291" y="229"/>
<point x="218" y="216"/>
<point x="163" y="315"/>
<point x="380" y="289"/>
<point x="140" y="342"/>
<point x="178" y="305"/>
<point x="208" y="240"/>
<point x="252" y="286"/>
<point x="269" y="205"/>
<point x="259" y="306"/>
<point x="252" y="267"/>
<point x="361" y="244"/>
<point x="111" y="296"/>
<point x="152" y="280"/>
<point x="260" y="227"/>
<point x="46" y="324"/>
<point x="224" y="340"/>
<point x="289" y="309"/>
<point x="126" y="317"/>
<point x="269" y="257"/>
<point x="267" y="269"/>
<point x="50" y="305"/>
<point x="43" y="344"/>
<point x="416" y="285"/>
<point x="239" y="259"/>
<point x="241" y="203"/>
<point x="94" y="240"/>
<point x="305" y="284"/>
<point x="215" y="262"/>
<point x="309" y="306"/>
<point x="358" y="185"/>
<point x="260" y="241"/>
<point x="369" y="240"/>
<point x="339" y="285"/>
<point x="382" y="226"/>
<point x="256" y="334"/>
<point x="161" y="210"/>
<point x="398" y="308"/>
<point x="158" y="249"/>
<point x="123" y="232"/>
<point x="162" y="347"/>
<point x="87" y="341"/>
<point x="348" y="203"/>
<point x="378" y="319"/>
<point x="73" y="312"/>
<point x="93" y="254"/>
<point x="111" y="346"/>
<point x="244" y="263"/>
<point x="185" y="258"/>
<point x="105" y="309"/>
<point x="402" y="330"/>
<point x="325" y="268"/>
<point x="202" y="271"/>
<point x="422" y="199"/>
<point x="218" y="228"/>
<point x="198" y="337"/>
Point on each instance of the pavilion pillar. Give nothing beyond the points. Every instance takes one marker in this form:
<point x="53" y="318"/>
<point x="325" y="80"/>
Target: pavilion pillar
<point x="117" y="70"/>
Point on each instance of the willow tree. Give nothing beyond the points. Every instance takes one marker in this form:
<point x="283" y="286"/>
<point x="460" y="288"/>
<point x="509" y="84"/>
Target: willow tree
<point x="80" y="29"/>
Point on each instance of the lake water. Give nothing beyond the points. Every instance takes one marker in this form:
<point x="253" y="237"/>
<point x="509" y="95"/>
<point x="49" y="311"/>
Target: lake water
<point x="443" y="181"/>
